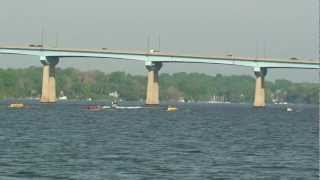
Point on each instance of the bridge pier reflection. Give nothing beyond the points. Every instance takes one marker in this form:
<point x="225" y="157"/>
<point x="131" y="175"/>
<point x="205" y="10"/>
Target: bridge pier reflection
<point x="48" y="94"/>
<point x="152" y="96"/>
<point x="259" y="97"/>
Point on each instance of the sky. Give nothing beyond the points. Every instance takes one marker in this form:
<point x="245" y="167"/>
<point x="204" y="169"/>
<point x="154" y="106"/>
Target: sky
<point x="252" y="28"/>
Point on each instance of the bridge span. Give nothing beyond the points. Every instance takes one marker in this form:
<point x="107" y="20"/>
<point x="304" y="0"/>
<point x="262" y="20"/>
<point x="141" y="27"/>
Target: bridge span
<point x="153" y="60"/>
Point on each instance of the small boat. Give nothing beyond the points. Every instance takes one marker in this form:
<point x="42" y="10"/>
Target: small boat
<point x="172" y="109"/>
<point x="114" y="105"/>
<point x="16" y="106"/>
<point x="63" y="98"/>
<point x="97" y="107"/>
<point x="127" y="107"/>
<point x="289" y="109"/>
<point x="106" y="107"/>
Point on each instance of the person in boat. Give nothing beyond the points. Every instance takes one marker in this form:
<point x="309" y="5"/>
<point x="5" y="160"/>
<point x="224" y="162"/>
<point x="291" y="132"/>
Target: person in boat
<point x="114" y="104"/>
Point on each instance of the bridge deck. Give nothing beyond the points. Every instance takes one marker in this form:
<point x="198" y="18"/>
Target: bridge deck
<point x="154" y="56"/>
<point x="162" y="54"/>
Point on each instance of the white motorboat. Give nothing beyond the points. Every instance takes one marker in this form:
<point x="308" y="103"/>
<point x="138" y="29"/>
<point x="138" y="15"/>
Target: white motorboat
<point x="289" y="109"/>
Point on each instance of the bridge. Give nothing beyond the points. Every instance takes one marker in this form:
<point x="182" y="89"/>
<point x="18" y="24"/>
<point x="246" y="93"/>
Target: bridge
<point x="49" y="57"/>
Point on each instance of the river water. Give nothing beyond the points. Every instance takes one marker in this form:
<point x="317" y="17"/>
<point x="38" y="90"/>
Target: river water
<point x="200" y="141"/>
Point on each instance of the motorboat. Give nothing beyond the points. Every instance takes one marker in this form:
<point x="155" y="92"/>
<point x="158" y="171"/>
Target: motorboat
<point x="114" y="105"/>
<point x="17" y="106"/>
<point x="97" y="107"/>
<point x="289" y="109"/>
<point x="127" y="107"/>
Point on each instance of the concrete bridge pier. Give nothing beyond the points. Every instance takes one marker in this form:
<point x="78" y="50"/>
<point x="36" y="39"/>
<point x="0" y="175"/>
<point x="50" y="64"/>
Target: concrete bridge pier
<point x="152" y="97"/>
<point x="259" y="97"/>
<point x="49" y="79"/>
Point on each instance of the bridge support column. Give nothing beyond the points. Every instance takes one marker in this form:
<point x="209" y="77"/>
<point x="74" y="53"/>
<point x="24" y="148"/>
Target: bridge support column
<point x="152" y="97"/>
<point x="49" y="79"/>
<point x="259" y="97"/>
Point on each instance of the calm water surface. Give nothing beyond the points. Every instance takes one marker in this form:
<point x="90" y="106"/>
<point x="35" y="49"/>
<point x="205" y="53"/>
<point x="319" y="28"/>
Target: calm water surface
<point x="64" y="141"/>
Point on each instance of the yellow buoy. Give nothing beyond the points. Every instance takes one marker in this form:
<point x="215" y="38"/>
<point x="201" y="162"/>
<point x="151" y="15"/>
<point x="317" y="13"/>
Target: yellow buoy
<point x="16" y="105"/>
<point x="172" y="109"/>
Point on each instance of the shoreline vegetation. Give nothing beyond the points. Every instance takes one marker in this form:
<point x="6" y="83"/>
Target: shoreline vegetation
<point x="79" y="85"/>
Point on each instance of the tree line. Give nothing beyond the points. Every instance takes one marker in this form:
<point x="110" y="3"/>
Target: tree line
<point x="22" y="83"/>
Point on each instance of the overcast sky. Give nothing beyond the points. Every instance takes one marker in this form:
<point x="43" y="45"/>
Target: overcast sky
<point x="277" y="28"/>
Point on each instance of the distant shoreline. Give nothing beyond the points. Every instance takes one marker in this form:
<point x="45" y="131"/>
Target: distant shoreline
<point x="182" y="87"/>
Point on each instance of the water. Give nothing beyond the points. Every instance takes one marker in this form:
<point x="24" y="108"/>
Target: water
<point x="200" y="141"/>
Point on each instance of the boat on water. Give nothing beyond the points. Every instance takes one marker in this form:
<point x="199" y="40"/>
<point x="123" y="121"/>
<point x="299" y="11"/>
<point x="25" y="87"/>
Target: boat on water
<point x="289" y="109"/>
<point x="63" y="98"/>
<point x="125" y="107"/>
<point x="97" y="107"/>
<point x="115" y="105"/>
<point x="16" y="106"/>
